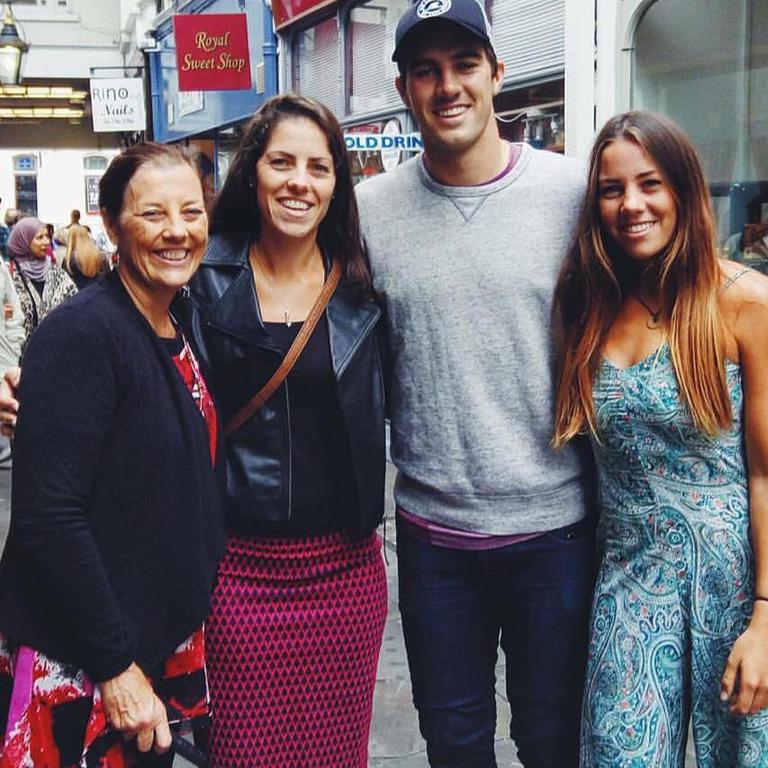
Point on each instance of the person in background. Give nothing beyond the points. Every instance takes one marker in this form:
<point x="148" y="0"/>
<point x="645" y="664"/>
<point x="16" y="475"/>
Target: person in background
<point x="116" y="529"/>
<point x="494" y="531"/>
<point x="12" y="216"/>
<point x="11" y="341"/>
<point x="40" y="284"/>
<point x="664" y="366"/>
<point x="5" y="231"/>
<point x="83" y="261"/>
<point x="300" y="601"/>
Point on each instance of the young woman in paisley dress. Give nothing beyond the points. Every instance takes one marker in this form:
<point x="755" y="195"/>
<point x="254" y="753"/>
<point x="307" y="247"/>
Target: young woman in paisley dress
<point x="664" y="366"/>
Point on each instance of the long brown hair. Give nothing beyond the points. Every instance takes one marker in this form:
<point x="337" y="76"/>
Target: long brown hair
<point x="594" y="282"/>
<point x="236" y="210"/>
<point x="83" y="251"/>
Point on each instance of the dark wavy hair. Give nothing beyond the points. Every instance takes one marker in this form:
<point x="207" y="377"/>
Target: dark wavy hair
<point x="124" y="166"/>
<point x="236" y="210"/>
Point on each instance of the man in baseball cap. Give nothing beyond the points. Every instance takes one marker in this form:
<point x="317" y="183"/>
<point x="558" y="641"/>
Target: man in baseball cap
<point x="494" y="539"/>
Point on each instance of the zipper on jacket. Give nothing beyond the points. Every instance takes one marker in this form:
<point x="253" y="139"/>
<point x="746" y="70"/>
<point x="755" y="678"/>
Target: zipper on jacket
<point x="290" y="450"/>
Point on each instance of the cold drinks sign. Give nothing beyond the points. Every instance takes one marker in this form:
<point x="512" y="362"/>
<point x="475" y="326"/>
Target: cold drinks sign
<point x="212" y="52"/>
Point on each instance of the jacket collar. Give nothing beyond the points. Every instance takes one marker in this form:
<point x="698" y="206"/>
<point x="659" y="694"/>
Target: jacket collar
<point x="237" y="311"/>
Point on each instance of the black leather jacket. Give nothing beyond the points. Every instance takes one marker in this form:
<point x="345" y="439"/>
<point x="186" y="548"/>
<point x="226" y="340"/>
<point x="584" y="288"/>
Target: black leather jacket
<point x="226" y="326"/>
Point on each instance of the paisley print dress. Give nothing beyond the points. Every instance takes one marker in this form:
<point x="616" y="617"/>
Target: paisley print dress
<point x="676" y="579"/>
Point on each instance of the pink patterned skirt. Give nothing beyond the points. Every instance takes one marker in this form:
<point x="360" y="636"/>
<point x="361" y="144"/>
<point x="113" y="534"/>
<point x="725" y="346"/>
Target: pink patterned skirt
<point x="292" y="648"/>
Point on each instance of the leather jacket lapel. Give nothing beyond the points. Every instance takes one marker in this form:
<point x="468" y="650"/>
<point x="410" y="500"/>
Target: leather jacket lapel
<point x="349" y="324"/>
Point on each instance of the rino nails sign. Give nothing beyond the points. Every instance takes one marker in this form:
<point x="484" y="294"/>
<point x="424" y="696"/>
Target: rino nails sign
<point x="212" y="52"/>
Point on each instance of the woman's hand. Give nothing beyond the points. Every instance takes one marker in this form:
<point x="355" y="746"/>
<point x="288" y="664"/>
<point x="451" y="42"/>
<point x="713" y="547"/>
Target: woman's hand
<point x="133" y="708"/>
<point x="745" y="680"/>
<point x="9" y="405"/>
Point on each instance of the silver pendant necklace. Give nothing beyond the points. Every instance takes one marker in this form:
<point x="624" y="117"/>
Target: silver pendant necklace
<point x="281" y="300"/>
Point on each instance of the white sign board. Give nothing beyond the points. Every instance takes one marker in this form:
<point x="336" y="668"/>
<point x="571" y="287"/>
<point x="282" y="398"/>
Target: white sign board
<point x="376" y="142"/>
<point x="117" y="104"/>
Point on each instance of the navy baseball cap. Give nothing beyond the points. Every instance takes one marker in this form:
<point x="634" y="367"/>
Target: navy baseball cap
<point x="466" y="13"/>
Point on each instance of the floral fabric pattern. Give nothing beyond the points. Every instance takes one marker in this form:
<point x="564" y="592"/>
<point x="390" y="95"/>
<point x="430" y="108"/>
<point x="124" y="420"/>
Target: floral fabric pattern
<point x="676" y="579"/>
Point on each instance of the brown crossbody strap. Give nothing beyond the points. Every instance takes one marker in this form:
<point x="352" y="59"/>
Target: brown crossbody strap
<point x="291" y="356"/>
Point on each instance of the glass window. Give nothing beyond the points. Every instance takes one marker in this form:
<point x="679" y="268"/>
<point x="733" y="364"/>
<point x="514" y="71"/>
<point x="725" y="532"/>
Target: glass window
<point x="95" y="163"/>
<point x="317" y="64"/>
<point x="26" y="193"/>
<point x="370" y="42"/>
<point x="534" y="114"/>
<point x="718" y="93"/>
<point x="25" y="163"/>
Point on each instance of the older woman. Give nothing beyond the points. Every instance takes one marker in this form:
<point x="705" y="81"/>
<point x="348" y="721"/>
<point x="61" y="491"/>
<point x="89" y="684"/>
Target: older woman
<point x="300" y="604"/>
<point x="40" y="284"/>
<point x="115" y="532"/>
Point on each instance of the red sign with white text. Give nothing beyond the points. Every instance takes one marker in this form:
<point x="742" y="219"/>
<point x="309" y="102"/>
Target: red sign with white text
<point x="212" y="52"/>
<point x="288" y="11"/>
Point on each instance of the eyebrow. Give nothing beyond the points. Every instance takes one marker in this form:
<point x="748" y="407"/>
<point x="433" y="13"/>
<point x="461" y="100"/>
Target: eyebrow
<point x="641" y="175"/>
<point x="464" y="53"/>
<point x="327" y="158"/>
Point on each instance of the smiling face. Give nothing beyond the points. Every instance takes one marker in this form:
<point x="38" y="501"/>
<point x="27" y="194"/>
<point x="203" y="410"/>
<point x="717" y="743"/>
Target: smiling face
<point x="637" y="208"/>
<point x="449" y="87"/>
<point x="38" y="245"/>
<point x="162" y="229"/>
<point x="295" y="180"/>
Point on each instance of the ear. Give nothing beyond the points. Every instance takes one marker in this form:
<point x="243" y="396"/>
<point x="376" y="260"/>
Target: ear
<point x="403" y="91"/>
<point x="498" y="78"/>
<point x="109" y="225"/>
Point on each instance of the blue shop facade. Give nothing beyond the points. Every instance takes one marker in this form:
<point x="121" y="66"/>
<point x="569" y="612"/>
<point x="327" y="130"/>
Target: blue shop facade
<point x="211" y="121"/>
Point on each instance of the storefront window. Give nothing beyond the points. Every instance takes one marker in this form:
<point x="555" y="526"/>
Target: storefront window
<point x="317" y="64"/>
<point x="25" y="181"/>
<point x="370" y="41"/>
<point x="708" y="71"/>
<point x="534" y="114"/>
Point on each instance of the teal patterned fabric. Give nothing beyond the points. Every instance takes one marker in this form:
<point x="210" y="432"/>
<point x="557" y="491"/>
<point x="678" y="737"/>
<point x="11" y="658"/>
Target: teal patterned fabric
<point x="676" y="579"/>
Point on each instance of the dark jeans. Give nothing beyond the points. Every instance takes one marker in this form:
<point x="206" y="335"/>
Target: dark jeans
<point x="455" y="604"/>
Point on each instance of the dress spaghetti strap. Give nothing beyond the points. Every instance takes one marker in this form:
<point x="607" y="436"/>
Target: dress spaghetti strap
<point x="732" y="279"/>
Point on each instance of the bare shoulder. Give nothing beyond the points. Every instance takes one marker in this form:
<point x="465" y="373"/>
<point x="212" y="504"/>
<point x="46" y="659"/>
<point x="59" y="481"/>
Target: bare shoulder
<point x="743" y="303"/>
<point x="740" y="286"/>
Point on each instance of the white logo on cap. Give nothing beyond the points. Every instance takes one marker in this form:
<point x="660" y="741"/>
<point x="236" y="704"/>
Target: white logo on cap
<point x="429" y="8"/>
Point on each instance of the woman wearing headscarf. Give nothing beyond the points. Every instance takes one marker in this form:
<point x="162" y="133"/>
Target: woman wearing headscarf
<point x="40" y="284"/>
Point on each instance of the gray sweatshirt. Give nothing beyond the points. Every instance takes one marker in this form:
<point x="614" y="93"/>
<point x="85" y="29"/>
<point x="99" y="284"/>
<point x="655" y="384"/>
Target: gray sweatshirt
<point x="467" y="275"/>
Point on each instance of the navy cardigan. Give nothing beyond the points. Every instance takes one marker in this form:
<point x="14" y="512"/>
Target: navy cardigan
<point x="116" y="529"/>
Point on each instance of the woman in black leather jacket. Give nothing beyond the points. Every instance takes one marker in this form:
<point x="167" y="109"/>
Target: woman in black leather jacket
<point x="299" y="608"/>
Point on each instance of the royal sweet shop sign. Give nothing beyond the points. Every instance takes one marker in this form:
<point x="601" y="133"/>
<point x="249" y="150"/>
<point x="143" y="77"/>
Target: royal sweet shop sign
<point x="212" y="52"/>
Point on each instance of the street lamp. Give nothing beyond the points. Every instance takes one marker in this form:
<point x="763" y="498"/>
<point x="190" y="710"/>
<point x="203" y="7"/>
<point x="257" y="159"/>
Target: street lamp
<point x="12" y="49"/>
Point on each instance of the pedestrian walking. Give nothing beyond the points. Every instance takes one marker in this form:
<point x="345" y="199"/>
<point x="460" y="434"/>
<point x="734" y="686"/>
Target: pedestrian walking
<point x="300" y="602"/>
<point x="115" y="528"/>
<point x="40" y="284"/>
<point x="494" y="533"/>
<point x="83" y="261"/>
<point x="664" y="367"/>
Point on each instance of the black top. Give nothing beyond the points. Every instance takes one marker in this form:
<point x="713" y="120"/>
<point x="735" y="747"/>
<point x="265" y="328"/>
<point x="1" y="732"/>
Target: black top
<point x="321" y="468"/>
<point x="116" y="528"/>
<point x="239" y="354"/>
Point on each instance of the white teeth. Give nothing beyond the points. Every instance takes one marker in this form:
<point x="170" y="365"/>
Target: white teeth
<point x="172" y="255"/>
<point x="637" y="228"/>
<point x="298" y="205"/>
<point x="452" y="112"/>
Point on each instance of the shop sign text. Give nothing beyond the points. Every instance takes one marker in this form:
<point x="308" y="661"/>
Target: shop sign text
<point x="212" y="51"/>
<point x="378" y="141"/>
<point x="117" y="104"/>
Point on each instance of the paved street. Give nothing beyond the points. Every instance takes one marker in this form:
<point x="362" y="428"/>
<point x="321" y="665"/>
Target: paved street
<point x="395" y="740"/>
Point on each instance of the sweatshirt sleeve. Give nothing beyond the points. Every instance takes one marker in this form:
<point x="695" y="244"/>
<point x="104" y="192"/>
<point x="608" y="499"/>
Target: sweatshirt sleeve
<point x="68" y="396"/>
